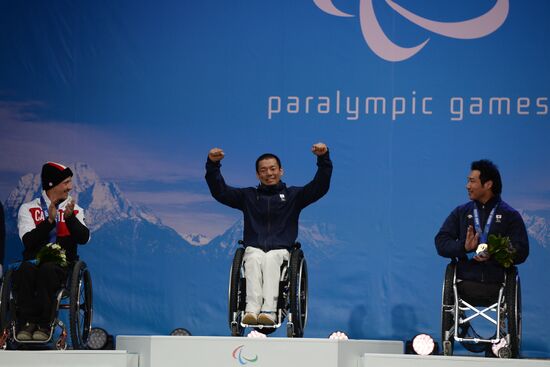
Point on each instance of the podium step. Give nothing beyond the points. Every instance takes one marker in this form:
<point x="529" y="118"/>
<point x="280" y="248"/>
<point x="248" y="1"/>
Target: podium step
<point x="386" y="360"/>
<point x="68" y="358"/>
<point x="168" y="351"/>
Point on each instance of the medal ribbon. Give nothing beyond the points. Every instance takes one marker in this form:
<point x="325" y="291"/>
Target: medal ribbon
<point x="483" y="234"/>
<point x="44" y="207"/>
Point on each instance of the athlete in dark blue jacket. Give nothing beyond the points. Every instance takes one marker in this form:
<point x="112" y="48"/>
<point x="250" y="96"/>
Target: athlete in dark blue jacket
<point x="461" y="234"/>
<point x="271" y="211"/>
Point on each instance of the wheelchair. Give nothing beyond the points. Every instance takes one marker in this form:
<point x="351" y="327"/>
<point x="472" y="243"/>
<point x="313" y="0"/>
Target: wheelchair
<point x="292" y="301"/>
<point x="75" y="295"/>
<point x="501" y="309"/>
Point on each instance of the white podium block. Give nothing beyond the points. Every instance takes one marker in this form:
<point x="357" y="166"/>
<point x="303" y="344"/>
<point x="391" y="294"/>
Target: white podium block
<point x="168" y="351"/>
<point x="68" y="358"/>
<point x="385" y="360"/>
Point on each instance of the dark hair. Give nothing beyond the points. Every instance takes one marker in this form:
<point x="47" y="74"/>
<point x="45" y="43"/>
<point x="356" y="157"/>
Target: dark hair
<point x="488" y="171"/>
<point x="267" y="156"/>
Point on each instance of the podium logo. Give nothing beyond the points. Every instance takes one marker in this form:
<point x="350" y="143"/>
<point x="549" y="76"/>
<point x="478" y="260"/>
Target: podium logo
<point x="385" y="48"/>
<point x="241" y="358"/>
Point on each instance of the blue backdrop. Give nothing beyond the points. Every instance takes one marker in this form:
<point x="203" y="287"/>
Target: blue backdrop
<point x="405" y="93"/>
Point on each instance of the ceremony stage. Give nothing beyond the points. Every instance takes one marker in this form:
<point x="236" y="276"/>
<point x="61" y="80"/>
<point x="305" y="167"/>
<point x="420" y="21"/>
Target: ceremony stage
<point x="182" y="351"/>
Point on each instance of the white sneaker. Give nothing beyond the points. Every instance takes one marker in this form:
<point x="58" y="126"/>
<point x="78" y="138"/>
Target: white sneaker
<point x="250" y="318"/>
<point x="267" y="318"/>
<point x="25" y="334"/>
<point x="41" y="334"/>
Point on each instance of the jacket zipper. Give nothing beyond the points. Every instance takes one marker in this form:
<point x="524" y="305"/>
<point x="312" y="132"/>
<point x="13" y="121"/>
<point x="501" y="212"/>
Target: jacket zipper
<point x="268" y="221"/>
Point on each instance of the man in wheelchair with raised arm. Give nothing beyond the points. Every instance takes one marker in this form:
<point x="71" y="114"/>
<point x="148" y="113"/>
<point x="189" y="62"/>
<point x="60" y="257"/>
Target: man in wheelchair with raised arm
<point x="52" y="218"/>
<point x="271" y="211"/>
<point x="464" y="237"/>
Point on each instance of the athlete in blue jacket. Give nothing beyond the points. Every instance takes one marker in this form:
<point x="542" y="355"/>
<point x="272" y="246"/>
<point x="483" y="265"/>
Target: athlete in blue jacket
<point x="461" y="233"/>
<point x="271" y="211"/>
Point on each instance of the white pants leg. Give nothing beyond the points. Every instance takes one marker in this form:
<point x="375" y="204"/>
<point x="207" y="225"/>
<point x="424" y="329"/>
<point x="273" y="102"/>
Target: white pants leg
<point x="253" y="259"/>
<point x="262" y="272"/>
<point x="272" y="273"/>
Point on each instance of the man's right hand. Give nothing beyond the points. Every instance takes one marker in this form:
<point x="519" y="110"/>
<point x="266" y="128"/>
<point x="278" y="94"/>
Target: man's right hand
<point x="52" y="212"/>
<point x="472" y="239"/>
<point x="215" y="154"/>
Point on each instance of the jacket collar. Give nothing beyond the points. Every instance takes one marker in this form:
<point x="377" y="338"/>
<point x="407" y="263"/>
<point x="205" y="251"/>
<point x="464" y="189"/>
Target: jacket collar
<point x="271" y="189"/>
<point x="48" y="201"/>
<point x="489" y="205"/>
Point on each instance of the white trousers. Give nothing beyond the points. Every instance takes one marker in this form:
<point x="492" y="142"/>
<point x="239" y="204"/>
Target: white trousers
<point x="262" y="271"/>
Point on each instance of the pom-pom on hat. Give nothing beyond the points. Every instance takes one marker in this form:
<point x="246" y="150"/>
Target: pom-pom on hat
<point x="53" y="174"/>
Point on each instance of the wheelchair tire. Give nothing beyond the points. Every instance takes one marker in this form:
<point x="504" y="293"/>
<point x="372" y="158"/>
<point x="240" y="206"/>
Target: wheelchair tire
<point x="298" y="294"/>
<point x="237" y="294"/>
<point x="80" y="309"/>
<point x="5" y="300"/>
<point x="513" y="309"/>
<point x="447" y="319"/>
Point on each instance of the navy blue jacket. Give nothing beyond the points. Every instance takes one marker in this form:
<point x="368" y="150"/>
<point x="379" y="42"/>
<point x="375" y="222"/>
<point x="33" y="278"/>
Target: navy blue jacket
<point x="270" y="212"/>
<point x="451" y="238"/>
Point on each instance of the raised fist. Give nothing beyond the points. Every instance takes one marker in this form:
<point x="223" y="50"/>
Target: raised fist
<point x="215" y="154"/>
<point x="319" y="149"/>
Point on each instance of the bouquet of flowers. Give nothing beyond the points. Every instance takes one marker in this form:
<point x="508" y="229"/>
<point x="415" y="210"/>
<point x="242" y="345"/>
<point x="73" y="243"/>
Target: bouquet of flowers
<point x="52" y="252"/>
<point x="500" y="248"/>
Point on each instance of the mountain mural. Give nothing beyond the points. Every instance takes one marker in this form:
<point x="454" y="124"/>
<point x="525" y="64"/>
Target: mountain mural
<point x="538" y="228"/>
<point x="148" y="279"/>
<point x="197" y="239"/>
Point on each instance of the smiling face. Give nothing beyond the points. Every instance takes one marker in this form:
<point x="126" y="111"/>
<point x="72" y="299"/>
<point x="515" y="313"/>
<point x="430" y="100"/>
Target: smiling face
<point x="477" y="190"/>
<point x="269" y="173"/>
<point x="60" y="192"/>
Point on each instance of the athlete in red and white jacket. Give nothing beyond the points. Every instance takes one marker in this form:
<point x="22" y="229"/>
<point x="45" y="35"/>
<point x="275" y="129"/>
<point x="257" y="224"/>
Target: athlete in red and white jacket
<point x="53" y="217"/>
<point x="35" y="225"/>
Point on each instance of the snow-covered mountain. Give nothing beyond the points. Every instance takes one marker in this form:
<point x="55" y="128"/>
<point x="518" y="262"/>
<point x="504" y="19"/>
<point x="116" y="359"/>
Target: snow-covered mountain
<point x="537" y="227"/>
<point x="196" y="239"/>
<point x="102" y="201"/>
<point x="228" y="242"/>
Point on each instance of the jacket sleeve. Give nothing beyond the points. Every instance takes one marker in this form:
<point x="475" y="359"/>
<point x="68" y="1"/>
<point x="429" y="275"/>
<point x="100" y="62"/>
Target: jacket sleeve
<point x="2" y="235"/>
<point x="33" y="236"/>
<point x="519" y="239"/>
<point x="320" y="184"/>
<point x="219" y="190"/>
<point x="79" y="232"/>
<point x="448" y="241"/>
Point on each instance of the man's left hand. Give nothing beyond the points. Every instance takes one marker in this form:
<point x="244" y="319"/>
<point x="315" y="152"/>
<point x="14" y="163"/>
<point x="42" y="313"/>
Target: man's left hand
<point x="69" y="209"/>
<point x="319" y="149"/>
<point x="482" y="257"/>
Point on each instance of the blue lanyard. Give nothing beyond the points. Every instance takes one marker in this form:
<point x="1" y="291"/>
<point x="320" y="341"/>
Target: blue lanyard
<point x="53" y="233"/>
<point x="485" y="233"/>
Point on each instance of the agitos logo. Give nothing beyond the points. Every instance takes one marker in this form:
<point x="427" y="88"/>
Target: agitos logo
<point x="385" y="48"/>
<point x="239" y="356"/>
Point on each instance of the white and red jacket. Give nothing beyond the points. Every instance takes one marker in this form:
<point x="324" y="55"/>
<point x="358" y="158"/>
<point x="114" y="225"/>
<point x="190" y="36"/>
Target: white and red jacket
<point x="35" y="230"/>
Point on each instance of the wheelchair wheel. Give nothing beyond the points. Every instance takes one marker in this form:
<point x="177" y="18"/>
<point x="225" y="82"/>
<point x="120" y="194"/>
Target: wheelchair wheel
<point x="237" y="294"/>
<point x="513" y="311"/>
<point x="80" y="310"/>
<point x="5" y="300"/>
<point x="298" y="294"/>
<point x="447" y="310"/>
